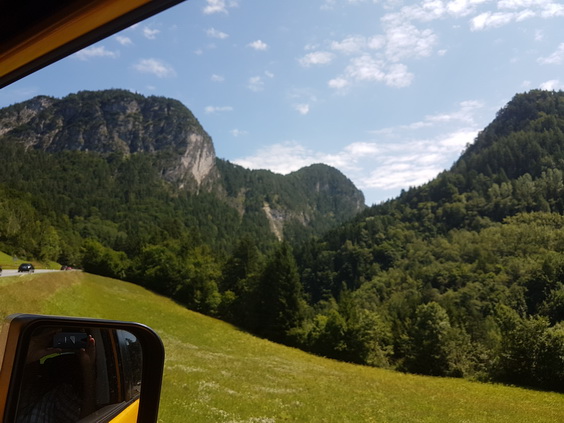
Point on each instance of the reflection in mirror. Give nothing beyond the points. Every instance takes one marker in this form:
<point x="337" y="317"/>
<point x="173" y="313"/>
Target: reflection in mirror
<point x="77" y="374"/>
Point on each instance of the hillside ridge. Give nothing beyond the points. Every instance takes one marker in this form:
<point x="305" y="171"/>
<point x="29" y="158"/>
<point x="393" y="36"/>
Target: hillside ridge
<point x="119" y="123"/>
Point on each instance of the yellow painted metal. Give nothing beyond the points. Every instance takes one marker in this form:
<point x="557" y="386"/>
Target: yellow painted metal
<point x="129" y="415"/>
<point x="73" y="25"/>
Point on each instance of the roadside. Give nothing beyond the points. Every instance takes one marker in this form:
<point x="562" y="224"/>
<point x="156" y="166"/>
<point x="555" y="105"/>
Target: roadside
<point x="9" y="265"/>
<point x="14" y="272"/>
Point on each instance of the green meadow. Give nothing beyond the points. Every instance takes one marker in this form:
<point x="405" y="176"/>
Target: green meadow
<point x="217" y="373"/>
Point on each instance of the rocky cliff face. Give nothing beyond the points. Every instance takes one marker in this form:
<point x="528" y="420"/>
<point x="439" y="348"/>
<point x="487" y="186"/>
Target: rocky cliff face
<point x="117" y="121"/>
<point x="315" y="198"/>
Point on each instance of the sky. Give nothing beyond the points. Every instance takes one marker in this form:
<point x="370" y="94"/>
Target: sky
<point x="387" y="91"/>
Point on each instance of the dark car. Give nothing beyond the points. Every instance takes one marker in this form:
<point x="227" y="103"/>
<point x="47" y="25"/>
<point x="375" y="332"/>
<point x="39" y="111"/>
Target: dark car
<point x="0" y="270"/>
<point x="26" y="267"/>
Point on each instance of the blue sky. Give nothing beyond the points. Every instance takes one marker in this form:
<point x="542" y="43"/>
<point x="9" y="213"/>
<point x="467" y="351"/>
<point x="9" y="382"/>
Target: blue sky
<point x="389" y="92"/>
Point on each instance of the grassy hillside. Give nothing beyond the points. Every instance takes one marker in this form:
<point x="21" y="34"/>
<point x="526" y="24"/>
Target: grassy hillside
<point x="216" y="373"/>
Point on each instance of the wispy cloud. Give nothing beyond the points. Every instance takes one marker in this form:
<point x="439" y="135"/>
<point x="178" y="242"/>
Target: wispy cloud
<point x="238" y="132"/>
<point x="489" y="20"/>
<point x="302" y="109"/>
<point x="350" y="45"/>
<point x="338" y="83"/>
<point x="124" y="41"/>
<point x="218" y="6"/>
<point x="218" y="109"/>
<point x="555" y="58"/>
<point x="155" y="67"/>
<point x="371" y="165"/>
<point x="367" y="68"/>
<point x="150" y="33"/>
<point x="96" y="52"/>
<point x="316" y="58"/>
<point x="408" y="33"/>
<point x="396" y="158"/>
<point x="217" y="78"/>
<point x="214" y="33"/>
<point x="464" y="115"/>
<point x="258" y="45"/>
<point x="406" y="164"/>
<point x="256" y="83"/>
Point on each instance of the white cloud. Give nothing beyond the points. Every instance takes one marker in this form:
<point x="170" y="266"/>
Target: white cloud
<point x="256" y="83"/>
<point x="330" y="4"/>
<point x="95" y="52"/>
<point x="150" y="33"/>
<point x="376" y="42"/>
<point x="155" y="67"/>
<point x="218" y="109"/>
<point x="366" y="68"/>
<point x="382" y="58"/>
<point x="398" y="76"/>
<point x="282" y="158"/>
<point x="258" y="45"/>
<point x="302" y="109"/>
<point x="461" y="8"/>
<point x="338" y="83"/>
<point x="553" y="10"/>
<point x="350" y="45"/>
<point x="217" y="78"/>
<point x="124" y="41"/>
<point x="218" y="6"/>
<point x="490" y="20"/>
<point x="465" y="114"/>
<point x="380" y="165"/>
<point x="214" y="33"/>
<point x="316" y="58"/>
<point x="406" y="42"/>
<point x="412" y="163"/>
<point x="369" y="69"/>
<point x="363" y="149"/>
<point x="555" y="58"/>
<point x="238" y="132"/>
<point x="425" y="11"/>
<point x="553" y="84"/>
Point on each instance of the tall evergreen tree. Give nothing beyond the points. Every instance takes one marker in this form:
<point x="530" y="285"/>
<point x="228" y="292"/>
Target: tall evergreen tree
<point x="280" y="301"/>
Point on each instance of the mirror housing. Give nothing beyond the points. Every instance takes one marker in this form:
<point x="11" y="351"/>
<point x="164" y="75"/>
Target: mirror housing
<point x="16" y="336"/>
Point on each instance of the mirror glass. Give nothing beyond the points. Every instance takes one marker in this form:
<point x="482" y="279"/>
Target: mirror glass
<point x="79" y="374"/>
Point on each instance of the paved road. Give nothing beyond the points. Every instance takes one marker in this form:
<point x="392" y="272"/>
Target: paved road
<point x="14" y="272"/>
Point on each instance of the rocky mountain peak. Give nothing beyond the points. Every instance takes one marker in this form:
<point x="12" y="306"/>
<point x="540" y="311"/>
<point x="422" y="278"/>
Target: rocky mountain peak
<point x="116" y="121"/>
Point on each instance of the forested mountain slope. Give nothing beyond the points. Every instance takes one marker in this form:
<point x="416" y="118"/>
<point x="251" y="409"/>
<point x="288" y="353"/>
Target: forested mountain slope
<point x="128" y="171"/>
<point x="463" y="275"/>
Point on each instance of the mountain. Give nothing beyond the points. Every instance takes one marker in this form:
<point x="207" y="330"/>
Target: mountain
<point x="158" y="143"/>
<point x="462" y="276"/>
<point x="116" y="121"/>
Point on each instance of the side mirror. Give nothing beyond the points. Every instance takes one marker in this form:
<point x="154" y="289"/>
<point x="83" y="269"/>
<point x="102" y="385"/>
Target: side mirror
<point x="78" y="370"/>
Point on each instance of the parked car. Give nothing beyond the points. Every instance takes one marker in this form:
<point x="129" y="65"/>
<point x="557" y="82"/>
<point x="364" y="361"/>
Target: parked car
<point x="26" y="267"/>
<point x="0" y="270"/>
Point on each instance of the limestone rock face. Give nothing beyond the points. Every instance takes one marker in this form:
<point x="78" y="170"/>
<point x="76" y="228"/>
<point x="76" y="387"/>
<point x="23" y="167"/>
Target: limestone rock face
<point x="117" y="121"/>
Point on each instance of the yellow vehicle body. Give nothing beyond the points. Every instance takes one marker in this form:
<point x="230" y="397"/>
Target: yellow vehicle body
<point x="36" y="33"/>
<point x="129" y="415"/>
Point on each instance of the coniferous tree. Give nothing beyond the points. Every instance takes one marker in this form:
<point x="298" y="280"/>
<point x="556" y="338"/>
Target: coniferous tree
<point x="280" y="301"/>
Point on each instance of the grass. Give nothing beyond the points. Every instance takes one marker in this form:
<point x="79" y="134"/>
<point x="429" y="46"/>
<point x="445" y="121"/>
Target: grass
<point x="216" y="373"/>
<point x="8" y="262"/>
